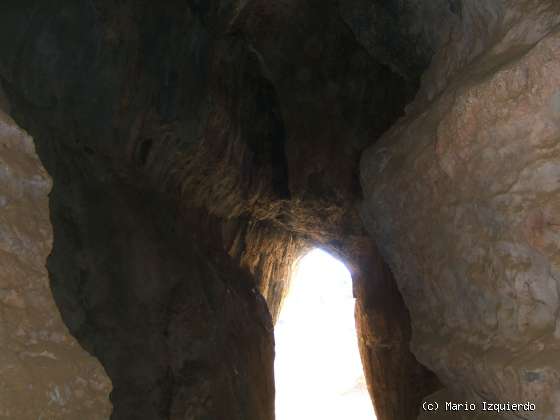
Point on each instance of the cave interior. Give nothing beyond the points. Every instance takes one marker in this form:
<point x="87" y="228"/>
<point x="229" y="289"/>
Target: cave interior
<point x="197" y="149"/>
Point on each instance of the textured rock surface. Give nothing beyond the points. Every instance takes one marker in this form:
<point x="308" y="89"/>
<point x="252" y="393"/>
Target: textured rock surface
<point x="269" y="254"/>
<point x="44" y="373"/>
<point x="501" y="29"/>
<point x="462" y="198"/>
<point x="396" y="381"/>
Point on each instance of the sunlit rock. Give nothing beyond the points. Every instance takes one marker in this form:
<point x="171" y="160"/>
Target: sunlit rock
<point x="44" y="373"/>
<point x="462" y="198"/>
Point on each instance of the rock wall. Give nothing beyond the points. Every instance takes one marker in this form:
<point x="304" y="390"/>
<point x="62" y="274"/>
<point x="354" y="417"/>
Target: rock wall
<point x="112" y="92"/>
<point x="44" y="373"/>
<point x="181" y="330"/>
<point x="396" y="381"/>
<point x="462" y="198"/>
<point x="500" y="28"/>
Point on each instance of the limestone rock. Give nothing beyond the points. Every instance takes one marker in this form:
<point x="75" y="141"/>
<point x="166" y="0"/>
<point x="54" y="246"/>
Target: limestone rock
<point x="44" y="373"/>
<point x="462" y="198"/>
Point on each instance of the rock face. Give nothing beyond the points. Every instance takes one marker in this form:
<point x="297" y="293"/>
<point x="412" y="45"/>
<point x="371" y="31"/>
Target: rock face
<point x="113" y="93"/>
<point x="396" y="381"/>
<point x="462" y="199"/>
<point x="44" y="373"/>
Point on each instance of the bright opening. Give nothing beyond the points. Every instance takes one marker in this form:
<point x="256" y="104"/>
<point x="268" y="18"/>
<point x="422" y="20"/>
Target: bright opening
<point x="318" y="369"/>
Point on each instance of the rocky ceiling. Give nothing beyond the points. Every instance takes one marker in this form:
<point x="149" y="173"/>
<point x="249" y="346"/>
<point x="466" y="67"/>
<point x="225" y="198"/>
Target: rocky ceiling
<point x="197" y="148"/>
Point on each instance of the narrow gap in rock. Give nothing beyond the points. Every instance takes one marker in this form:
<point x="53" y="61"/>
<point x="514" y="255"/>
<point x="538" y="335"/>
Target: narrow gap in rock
<point x="318" y="369"/>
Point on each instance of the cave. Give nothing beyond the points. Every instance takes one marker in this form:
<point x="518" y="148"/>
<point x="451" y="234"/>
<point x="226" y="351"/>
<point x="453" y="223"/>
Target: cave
<point x="164" y="166"/>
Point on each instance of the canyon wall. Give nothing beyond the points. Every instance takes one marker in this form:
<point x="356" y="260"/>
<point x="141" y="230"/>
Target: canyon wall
<point x="44" y="373"/>
<point x="461" y="196"/>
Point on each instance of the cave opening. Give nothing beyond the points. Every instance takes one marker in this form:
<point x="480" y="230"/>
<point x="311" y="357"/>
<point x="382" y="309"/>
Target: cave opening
<point x="318" y="368"/>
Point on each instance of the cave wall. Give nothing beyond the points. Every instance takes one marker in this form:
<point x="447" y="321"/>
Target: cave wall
<point x="461" y="198"/>
<point x="180" y="329"/>
<point x="197" y="149"/>
<point x="44" y="373"/>
<point x="396" y="381"/>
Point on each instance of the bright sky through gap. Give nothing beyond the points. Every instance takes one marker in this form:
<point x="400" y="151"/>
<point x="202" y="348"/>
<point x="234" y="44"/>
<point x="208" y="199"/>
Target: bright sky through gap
<point x="318" y="369"/>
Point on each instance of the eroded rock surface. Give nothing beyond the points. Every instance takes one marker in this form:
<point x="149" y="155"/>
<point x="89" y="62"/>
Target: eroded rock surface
<point x="44" y="373"/>
<point x="462" y="198"/>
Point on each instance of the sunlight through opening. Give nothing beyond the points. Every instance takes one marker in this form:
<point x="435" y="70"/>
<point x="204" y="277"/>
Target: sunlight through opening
<point x="318" y="369"/>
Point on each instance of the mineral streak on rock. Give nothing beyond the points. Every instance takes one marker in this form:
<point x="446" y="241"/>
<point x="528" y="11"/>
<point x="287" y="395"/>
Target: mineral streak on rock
<point x="44" y="372"/>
